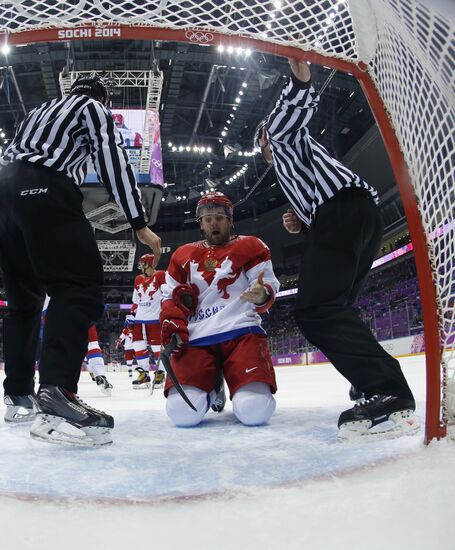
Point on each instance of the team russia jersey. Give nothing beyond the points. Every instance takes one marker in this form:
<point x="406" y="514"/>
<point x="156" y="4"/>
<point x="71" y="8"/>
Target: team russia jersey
<point x="147" y="296"/>
<point x="221" y="273"/>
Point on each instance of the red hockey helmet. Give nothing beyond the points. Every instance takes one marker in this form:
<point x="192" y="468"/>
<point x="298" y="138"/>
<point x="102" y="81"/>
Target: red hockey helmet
<point x="210" y="201"/>
<point x="147" y="259"/>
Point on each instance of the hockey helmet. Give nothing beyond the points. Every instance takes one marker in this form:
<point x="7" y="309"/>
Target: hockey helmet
<point x="210" y="201"/>
<point x="93" y="86"/>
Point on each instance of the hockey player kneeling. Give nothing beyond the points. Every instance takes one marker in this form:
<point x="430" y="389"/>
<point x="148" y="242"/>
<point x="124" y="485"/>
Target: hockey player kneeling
<point x="214" y="291"/>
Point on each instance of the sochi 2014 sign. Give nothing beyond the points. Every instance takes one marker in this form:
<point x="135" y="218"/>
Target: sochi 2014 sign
<point x="89" y="32"/>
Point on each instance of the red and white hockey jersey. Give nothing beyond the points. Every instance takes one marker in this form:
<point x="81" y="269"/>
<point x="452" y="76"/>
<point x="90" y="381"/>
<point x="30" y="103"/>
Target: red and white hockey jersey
<point x="147" y="296"/>
<point x="222" y="273"/>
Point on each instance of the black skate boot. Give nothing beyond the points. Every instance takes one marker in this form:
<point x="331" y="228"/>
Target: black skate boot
<point x="356" y="395"/>
<point x="104" y="385"/>
<point x="359" y="420"/>
<point x="64" y="418"/>
<point x="219" y="401"/>
<point x="142" y="381"/>
<point x="92" y="376"/>
<point x="20" y="408"/>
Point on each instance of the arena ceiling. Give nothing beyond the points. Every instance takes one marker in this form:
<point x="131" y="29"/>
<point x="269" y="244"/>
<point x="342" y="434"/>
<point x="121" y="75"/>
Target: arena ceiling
<point x="200" y="98"/>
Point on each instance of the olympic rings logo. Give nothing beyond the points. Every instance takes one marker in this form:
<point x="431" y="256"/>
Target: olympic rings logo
<point x="199" y="36"/>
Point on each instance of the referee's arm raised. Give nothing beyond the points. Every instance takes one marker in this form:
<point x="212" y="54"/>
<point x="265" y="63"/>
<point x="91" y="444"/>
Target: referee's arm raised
<point x="113" y="168"/>
<point x="296" y="105"/>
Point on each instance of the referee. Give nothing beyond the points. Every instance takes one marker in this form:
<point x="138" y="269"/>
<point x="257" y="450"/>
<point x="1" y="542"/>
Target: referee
<point x="48" y="246"/>
<point x="343" y="229"/>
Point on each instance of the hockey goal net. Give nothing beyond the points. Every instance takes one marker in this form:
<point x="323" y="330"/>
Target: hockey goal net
<point x="402" y="53"/>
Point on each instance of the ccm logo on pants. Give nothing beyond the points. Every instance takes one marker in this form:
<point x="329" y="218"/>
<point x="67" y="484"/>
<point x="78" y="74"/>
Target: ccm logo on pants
<point x="38" y="191"/>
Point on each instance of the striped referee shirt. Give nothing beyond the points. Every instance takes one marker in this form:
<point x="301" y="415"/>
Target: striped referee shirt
<point x="61" y="134"/>
<point x="306" y="172"/>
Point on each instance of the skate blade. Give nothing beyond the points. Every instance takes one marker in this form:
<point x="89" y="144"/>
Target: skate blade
<point x="53" y="429"/>
<point x="399" y="424"/>
<point x="106" y="391"/>
<point x="19" y="415"/>
<point x="142" y="386"/>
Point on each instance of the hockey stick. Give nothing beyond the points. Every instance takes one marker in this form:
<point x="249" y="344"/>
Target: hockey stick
<point x="220" y="396"/>
<point x="165" y="358"/>
<point x="152" y="388"/>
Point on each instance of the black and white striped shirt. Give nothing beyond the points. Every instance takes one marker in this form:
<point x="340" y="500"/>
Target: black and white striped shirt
<point x="306" y="172"/>
<point x="62" y="134"/>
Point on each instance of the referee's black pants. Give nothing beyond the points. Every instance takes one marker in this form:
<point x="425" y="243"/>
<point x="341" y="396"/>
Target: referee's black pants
<point x="46" y="246"/>
<point x="337" y="254"/>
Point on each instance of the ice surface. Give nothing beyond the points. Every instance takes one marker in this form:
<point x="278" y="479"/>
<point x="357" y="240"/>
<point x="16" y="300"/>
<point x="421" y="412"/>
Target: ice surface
<point x="287" y="485"/>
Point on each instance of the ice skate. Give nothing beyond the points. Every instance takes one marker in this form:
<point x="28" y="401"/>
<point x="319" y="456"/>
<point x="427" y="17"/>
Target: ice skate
<point x="219" y="401"/>
<point x="104" y="385"/>
<point x="380" y="417"/>
<point x="65" y="419"/>
<point x="142" y="381"/>
<point x="356" y="395"/>
<point x="19" y="408"/>
<point x="158" y="380"/>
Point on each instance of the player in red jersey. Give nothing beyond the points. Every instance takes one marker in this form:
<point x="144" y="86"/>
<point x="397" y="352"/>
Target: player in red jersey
<point x="126" y="340"/>
<point x="230" y="280"/>
<point x="146" y="328"/>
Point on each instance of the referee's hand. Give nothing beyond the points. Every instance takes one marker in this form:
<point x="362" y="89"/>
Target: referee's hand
<point x="151" y="239"/>
<point x="291" y="222"/>
<point x="300" y="69"/>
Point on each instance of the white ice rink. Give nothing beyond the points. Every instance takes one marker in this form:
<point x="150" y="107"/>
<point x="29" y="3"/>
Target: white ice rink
<point x="289" y="485"/>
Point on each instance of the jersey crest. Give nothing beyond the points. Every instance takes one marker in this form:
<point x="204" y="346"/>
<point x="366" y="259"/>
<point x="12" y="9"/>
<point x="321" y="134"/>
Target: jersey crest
<point x="219" y="277"/>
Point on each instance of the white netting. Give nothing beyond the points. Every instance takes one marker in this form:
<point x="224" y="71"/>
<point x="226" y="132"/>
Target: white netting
<point x="413" y="69"/>
<point x="407" y="44"/>
<point x="322" y="25"/>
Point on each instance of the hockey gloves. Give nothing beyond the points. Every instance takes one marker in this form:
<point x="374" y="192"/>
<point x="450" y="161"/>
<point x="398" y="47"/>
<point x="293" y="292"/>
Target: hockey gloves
<point x="173" y="321"/>
<point x="174" y="313"/>
<point x="185" y="297"/>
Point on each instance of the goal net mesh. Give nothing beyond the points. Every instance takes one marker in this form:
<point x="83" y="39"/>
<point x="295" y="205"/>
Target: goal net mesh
<point x="407" y="47"/>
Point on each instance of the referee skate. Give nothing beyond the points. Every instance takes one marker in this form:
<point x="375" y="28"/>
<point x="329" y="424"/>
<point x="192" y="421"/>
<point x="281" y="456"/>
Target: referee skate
<point x="62" y="417"/>
<point x="380" y="417"/>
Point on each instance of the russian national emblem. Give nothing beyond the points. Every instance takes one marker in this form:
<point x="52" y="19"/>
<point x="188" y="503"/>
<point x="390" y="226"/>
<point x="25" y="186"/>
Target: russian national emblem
<point x="210" y="264"/>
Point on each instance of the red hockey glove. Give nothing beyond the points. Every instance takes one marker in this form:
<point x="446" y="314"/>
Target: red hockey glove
<point x="186" y="297"/>
<point x="173" y="321"/>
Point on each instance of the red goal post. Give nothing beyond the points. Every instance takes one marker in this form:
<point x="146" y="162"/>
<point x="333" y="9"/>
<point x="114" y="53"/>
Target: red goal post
<point x="401" y="52"/>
